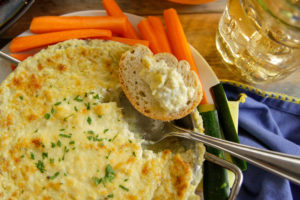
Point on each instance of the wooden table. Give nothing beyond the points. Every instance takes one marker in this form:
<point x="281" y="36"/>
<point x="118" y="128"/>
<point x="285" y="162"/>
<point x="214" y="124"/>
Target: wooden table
<point x="200" y="23"/>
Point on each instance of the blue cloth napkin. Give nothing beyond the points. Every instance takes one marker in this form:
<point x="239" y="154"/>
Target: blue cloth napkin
<point x="268" y="121"/>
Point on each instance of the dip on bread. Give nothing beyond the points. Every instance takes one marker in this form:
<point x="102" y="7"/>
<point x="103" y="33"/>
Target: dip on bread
<point x="159" y="86"/>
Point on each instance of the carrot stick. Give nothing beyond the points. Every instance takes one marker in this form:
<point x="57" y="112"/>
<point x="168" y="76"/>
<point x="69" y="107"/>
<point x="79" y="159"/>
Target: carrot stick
<point x="179" y="43"/>
<point x="20" y="57"/>
<point x="160" y="33"/>
<point x="47" y="24"/>
<point x="33" y="41"/>
<point x="130" y="41"/>
<point x="113" y="9"/>
<point x="148" y="34"/>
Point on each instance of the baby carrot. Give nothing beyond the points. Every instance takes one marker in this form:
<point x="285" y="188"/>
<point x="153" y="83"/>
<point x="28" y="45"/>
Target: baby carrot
<point x="160" y="33"/>
<point x="148" y="34"/>
<point x="113" y="9"/>
<point x="34" y="41"/>
<point x="46" y="24"/>
<point x="130" y="41"/>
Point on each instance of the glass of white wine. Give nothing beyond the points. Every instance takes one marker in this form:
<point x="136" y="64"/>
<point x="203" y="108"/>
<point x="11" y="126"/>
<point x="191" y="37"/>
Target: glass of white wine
<point x="260" y="39"/>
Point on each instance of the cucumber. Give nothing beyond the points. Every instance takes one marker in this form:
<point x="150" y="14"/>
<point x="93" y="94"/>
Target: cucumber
<point x="226" y="120"/>
<point x="215" y="180"/>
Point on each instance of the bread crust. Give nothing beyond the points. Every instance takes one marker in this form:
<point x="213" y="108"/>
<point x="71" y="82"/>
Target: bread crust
<point x="139" y="93"/>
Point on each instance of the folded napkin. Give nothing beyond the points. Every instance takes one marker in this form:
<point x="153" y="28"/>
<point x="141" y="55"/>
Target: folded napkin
<point x="269" y="121"/>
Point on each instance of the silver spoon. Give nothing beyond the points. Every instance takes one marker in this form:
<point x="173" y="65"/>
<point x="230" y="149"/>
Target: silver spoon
<point x="9" y="58"/>
<point x="154" y="131"/>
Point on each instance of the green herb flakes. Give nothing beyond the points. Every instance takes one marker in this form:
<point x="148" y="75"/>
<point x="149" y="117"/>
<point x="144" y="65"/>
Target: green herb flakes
<point x="47" y="116"/>
<point x="105" y="130"/>
<point x="133" y="153"/>
<point x="110" y="196"/>
<point x="75" y="108"/>
<point x="65" y="135"/>
<point x="96" y="96"/>
<point x="21" y="97"/>
<point x="89" y="120"/>
<point x="78" y="99"/>
<point x="52" y="110"/>
<point x="54" y="176"/>
<point x="40" y="166"/>
<point x="53" y="144"/>
<point x="88" y="105"/>
<point x="124" y="188"/>
<point x="96" y="180"/>
<point x="51" y="160"/>
<point x="72" y="142"/>
<point x="32" y="156"/>
<point x="44" y="155"/>
<point x="59" y="143"/>
<point x="57" y="103"/>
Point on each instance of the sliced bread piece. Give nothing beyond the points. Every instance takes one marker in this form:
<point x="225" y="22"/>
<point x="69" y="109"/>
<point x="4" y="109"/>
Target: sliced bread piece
<point x="143" y="94"/>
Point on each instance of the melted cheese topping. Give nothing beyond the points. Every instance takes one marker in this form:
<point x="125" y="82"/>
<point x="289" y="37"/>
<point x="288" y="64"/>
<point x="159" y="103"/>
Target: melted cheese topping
<point x="166" y="84"/>
<point x="62" y="135"/>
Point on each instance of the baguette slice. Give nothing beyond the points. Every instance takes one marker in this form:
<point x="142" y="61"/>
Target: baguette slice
<point x="139" y="93"/>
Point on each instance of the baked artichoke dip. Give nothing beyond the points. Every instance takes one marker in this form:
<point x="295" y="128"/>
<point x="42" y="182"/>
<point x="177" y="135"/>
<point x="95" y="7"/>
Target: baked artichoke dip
<point x="63" y="135"/>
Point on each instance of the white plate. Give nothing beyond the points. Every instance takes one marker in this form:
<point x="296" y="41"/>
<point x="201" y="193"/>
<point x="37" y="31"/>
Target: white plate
<point x="207" y="75"/>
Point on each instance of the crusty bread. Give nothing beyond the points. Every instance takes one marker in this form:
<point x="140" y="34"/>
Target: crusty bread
<point x="139" y="93"/>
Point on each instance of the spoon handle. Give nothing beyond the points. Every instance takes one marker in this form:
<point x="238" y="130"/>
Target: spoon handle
<point x="9" y="58"/>
<point x="284" y="165"/>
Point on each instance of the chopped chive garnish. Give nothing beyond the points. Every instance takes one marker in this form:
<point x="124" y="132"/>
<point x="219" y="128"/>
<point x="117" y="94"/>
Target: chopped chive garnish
<point x="110" y="196"/>
<point x="89" y="120"/>
<point x="133" y="153"/>
<point x="77" y="98"/>
<point x="88" y="105"/>
<point x="53" y="144"/>
<point x="75" y="108"/>
<point x="96" y="180"/>
<point x="126" y="179"/>
<point x="59" y="143"/>
<point x="96" y="96"/>
<point x="52" y="110"/>
<point x="62" y="129"/>
<point x="91" y="132"/>
<point x="36" y="130"/>
<point x="40" y="166"/>
<point x="124" y="188"/>
<point x="32" y="156"/>
<point x="105" y="130"/>
<point x="65" y="135"/>
<point x="54" y="176"/>
<point x="21" y="97"/>
<point x="57" y="103"/>
<point x="44" y="155"/>
<point x="22" y="156"/>
<point x="130" y="141"/>
<point x="47" y="116"/>
<point x="51" y="160"/>
<point x="100" y="116"/>
<point x="72" y="142"/>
